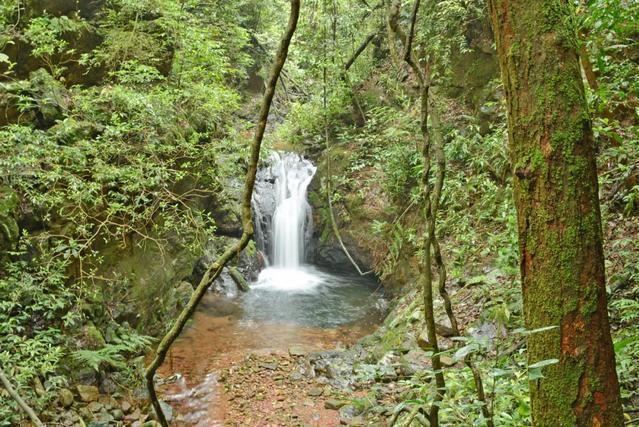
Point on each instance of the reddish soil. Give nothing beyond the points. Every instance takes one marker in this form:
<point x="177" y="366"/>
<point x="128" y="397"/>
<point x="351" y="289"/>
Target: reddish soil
<point x="234" y="374"/>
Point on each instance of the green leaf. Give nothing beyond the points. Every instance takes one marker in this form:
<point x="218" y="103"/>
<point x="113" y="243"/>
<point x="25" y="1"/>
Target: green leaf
<point x="543" y="363"/>
<point x="526" y="332"/>
<point x="620" y="345"/>
<point x="535" y="374"/>
<point x="464" y="351"/>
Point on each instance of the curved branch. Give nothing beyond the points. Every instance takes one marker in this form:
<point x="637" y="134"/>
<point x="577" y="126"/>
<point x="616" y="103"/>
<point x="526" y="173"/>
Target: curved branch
<point x="362" y="47"/>
<point x="215" y="269"/>
<point x="19" y="400"/>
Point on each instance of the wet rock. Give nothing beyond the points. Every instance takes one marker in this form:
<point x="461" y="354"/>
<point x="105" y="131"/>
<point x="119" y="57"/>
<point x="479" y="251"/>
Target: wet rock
<point x="88" y="393"/>
<point x="66" y="398"/>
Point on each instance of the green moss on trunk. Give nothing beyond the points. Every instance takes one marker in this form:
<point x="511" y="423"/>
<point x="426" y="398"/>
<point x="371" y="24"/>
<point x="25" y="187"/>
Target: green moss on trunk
<point x="559" y="221"/>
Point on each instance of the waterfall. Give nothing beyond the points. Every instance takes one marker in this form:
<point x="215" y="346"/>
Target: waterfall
<point x="283" y="217"/>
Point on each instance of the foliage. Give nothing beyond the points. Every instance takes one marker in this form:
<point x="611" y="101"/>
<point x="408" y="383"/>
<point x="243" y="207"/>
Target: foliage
<point x="116" y="353"/>
<point x="36" y="307"/>
<point x="133" y="161"/>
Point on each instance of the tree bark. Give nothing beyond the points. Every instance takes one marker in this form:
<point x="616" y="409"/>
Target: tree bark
<point x="559" y="220"/>
<point x="215" y="269"/>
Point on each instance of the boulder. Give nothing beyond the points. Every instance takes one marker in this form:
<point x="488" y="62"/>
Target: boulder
<point x="65" y="397"/>
<point x="88" y="393"/>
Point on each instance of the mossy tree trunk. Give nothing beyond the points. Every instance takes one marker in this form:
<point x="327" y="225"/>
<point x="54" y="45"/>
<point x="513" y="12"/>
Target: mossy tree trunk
<point x="559" y="220"/>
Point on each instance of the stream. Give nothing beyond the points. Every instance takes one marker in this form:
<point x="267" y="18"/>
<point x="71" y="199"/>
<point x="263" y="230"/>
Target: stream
<point x="291" y="304"/>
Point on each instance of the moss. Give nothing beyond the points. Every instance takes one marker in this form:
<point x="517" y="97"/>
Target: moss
<point x="93" y="337"/>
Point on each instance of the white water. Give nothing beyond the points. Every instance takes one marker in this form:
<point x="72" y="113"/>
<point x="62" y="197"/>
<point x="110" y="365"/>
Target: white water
<point x="292" y="215"/>
<point x="287" y="229"/>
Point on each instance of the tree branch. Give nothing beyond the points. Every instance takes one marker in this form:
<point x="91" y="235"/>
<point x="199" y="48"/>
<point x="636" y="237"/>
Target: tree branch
<point x="215" y="269"/>
<point x="15" y="396"/>
<point x="362" y="47"/>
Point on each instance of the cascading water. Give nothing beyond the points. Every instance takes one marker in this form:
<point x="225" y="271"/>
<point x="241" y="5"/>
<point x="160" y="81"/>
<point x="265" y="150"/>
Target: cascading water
<point x="292" y="219"/>
<point x="283" y="221"/>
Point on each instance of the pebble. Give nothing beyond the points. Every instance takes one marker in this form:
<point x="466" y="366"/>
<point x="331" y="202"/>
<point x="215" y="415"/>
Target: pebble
<point x="118" y="414"/>
<point x="270" y="366"/>
<point x="315" y="391"/>
<point x="95" y="407"/>
<point x="88" y="393"/>
<point x="296" y="351"/>
<point x="334" y="404"/>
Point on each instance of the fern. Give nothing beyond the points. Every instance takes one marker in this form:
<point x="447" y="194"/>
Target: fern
<point x="114" y="355"/>
<point x="108" y="355"/>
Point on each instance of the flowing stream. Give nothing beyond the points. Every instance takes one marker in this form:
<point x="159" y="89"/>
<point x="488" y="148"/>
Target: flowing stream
<point x="291" y="303"/>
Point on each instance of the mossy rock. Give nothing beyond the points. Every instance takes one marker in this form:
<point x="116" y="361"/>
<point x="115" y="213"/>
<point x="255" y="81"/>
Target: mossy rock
<point x="93" y="337"/>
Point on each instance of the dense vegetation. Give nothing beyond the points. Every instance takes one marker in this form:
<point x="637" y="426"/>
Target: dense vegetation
<point x="125" y="129"/>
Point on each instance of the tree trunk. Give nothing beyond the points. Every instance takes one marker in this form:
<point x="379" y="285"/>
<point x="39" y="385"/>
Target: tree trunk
<point x="559" y="220"/>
